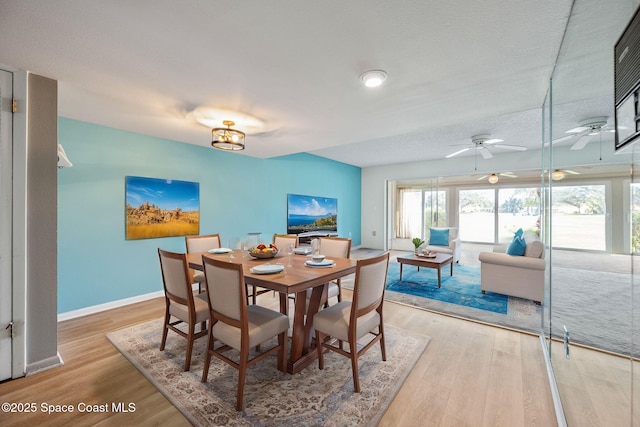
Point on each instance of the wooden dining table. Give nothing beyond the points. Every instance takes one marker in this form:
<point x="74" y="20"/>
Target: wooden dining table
<point x="293" y="280"/>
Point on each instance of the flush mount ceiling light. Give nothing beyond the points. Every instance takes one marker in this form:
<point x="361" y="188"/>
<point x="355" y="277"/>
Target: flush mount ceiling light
<point x="493" y="178"/>
<point x="215" y="117"/>
<point x="227" y="138"/>
<point x="373" y="78"/>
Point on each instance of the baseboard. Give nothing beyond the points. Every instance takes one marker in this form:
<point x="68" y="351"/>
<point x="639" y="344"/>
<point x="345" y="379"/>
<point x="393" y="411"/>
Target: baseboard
<point x="44" y="365"/>
<point x="107" y="306"/>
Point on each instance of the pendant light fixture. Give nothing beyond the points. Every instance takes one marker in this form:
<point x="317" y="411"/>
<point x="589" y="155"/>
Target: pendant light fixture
<point x="227" y="138"/>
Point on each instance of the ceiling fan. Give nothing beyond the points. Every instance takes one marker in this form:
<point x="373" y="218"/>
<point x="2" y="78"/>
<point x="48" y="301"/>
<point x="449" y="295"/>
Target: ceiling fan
<point x="505" y="174"/>
<point x="481" y="144"/>
<point x="585" y="132"/>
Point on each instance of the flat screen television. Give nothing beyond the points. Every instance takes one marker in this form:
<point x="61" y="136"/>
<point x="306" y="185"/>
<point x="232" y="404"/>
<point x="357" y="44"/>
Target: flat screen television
<point x="311" y="215"/>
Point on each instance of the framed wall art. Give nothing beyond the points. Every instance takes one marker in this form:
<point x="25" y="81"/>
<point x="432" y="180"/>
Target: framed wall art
<point x="161" y="208"/>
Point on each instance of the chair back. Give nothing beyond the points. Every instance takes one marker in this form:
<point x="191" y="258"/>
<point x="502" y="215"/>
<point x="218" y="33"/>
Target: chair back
<point x="202" y="243"/>
<point x="283" y="240"/>
<point x="338" y="247"/>
<point x="226" y="292"/>
<point x="175" y="276"/>
<point x="370" y="281"/>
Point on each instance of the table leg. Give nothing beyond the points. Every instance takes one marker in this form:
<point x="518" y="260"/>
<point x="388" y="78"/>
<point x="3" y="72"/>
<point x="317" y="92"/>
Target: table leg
<point x="401" y="272"/>
<point x="300" y="354"/>
<point x="439" y="276"/>
<point x="451" y="268"/>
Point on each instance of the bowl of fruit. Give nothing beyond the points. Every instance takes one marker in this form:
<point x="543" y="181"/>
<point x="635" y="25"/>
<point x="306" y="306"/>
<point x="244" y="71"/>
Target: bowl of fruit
<point x="263" y="251"/>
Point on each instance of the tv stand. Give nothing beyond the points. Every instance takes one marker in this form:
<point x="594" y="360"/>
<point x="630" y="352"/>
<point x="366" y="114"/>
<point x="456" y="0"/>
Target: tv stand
<point x="307" y="236"/>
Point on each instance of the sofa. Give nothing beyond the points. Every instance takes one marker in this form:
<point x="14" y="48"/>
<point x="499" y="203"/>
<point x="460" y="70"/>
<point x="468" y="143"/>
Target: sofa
<point x="517" y="276"/>
<point x="453" y="247"/>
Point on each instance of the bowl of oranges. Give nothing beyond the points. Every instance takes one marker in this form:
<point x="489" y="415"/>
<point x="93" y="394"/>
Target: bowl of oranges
<point x="263" y="251"/>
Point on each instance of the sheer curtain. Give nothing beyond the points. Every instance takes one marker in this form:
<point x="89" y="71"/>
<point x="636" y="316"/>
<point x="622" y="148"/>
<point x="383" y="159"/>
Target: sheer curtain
<point x="409" y="213"/>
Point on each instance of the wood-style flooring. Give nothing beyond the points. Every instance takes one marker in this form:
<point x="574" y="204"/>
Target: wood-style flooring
<point x="470" y="375"/>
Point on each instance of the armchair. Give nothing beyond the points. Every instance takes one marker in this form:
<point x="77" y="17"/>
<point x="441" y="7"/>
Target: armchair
<point x="453" y="247"/>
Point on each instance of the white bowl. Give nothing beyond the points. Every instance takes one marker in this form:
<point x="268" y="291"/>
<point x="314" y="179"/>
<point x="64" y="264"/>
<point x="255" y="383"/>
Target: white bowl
<point x="317" y="258"/>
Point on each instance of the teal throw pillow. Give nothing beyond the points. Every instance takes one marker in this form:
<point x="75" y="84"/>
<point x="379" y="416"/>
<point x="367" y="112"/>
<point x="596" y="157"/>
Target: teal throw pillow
<point x="518" y="244"/>
<point x="439" y="237"/>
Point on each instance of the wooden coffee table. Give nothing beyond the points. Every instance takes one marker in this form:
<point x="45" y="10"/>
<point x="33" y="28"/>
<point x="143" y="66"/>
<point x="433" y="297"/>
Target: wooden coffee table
<point x="438" y="262"/>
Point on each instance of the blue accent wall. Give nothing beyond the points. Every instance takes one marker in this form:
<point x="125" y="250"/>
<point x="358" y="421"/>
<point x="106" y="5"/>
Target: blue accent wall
<point x="238" y="194"/>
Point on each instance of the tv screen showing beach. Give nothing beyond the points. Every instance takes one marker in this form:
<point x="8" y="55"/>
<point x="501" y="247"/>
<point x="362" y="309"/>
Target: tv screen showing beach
<point x="310" y="213"/>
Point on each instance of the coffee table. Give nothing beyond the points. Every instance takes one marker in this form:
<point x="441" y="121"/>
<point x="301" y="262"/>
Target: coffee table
<point x="438" y="262"/>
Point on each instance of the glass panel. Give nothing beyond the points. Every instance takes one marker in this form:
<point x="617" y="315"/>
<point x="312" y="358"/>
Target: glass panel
<point x="518" y="208"/>
<point x="477" y="215"/>
<point x="435" y="209"/>
<point x="579" y="217"/>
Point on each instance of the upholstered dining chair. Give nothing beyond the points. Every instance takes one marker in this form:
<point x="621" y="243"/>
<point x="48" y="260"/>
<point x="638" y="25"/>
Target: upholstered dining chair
<point x="201" y="244"/>
<point x="338" y="247"/>
<point x="237" y="324"/>
<point x="180" y="303"/>
<point x="350" y="321"/>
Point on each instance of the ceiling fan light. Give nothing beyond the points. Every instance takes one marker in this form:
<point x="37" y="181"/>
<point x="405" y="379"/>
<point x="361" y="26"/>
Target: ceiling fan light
<point x="557" y="175"/>
<point x="493" y="178"/>
<point x="373" y="78"/>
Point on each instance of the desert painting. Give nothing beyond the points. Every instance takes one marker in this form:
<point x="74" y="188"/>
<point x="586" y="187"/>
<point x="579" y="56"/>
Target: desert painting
<point x="161" y="208"/>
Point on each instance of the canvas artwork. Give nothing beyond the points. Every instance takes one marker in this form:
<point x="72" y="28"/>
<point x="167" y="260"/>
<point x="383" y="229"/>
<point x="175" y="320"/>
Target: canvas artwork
<point x="161" y="208"/>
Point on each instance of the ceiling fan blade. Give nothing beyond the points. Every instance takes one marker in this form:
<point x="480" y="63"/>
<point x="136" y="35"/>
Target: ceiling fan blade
<point x="482" y="177"/>
<point x="492" y="141"/>
<point x="508" y="174"/>
<point x="570" y="172"/>
<point x="562" y="139"/>
<point x="579" y="129"/>
<point x="511" y="147"/>
<point x="581" y="142"/>
<point x="457" y="152"/>
<point x="485" y="153"/>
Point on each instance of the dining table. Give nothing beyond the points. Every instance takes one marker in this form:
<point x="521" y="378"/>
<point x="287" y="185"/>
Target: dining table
<point x="295" y="279"/>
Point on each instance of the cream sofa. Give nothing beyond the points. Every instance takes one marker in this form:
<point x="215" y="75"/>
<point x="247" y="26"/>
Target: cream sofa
<point x="517" y="276"/>
<point x="454" y="247"/>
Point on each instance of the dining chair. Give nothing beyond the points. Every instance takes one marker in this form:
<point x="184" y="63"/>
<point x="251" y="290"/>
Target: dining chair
<point x="237" y="324"/>
<point x="180" y="303"/>
<point x="201" y="244"/>
<point x="350" y="321"/>
<point x="338" y="247"/>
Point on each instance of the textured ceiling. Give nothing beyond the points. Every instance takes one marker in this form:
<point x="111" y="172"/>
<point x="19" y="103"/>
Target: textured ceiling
<point x="455" y="69"/>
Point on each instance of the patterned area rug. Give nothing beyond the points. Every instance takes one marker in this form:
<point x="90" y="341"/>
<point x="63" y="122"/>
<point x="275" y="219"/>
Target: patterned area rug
<point x="461" y="288"/>
<point x="272" y="398"/>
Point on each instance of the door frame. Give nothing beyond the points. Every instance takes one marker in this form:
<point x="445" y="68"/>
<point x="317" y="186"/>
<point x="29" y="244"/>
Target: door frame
<point x="17" y="170"/>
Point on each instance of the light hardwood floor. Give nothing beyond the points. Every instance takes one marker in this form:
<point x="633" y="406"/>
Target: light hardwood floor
<point x="469" y="375"/>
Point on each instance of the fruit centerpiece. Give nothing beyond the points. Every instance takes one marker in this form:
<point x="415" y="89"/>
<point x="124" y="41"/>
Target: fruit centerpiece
<point x="263" y="251"/>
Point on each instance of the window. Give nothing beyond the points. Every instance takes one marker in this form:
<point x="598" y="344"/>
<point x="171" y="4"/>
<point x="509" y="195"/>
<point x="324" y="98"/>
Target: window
<point x="518" y="208"/>
<point x="477" y="215"/>
<point x="435" y="209"/>
<point x="579" y="220"/>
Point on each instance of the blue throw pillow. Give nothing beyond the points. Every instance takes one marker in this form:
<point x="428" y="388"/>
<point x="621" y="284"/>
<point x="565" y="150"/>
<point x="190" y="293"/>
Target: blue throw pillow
<point x="439" y="237"/>
<point x="518" y="244"/>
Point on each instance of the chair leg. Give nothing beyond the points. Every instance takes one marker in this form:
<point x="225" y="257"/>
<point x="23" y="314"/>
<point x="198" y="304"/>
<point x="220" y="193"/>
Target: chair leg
<point x="354" y="368"/>
<point x="383" y="347"/>
<point x="207" y="357"/>
<point x="165" y="330"/>
<point x="339" y="290"/>
<point x="190" y="340"/>
<point x="319" y="339"/>
<point x="254" y="296"/>
<point x="282" y="352"/>
<point x="242" y="372"/>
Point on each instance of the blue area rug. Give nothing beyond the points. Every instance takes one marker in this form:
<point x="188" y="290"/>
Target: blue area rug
<point x="463" y="288"/>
